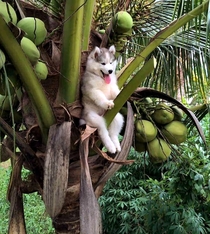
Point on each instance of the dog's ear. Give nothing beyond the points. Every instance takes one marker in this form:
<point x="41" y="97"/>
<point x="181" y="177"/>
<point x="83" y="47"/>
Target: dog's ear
<point x="112" y="49"/>
<point x="95" y="53"/>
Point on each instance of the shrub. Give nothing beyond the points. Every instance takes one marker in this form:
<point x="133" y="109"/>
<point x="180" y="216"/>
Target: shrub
<point x="171" y="198"/>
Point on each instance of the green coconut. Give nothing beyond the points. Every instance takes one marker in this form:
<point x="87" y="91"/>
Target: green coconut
<point x="145" y="131"/>
<point x="30" y="50"/>
<point x="4" y="103"/>
<point x="163" y="114"/>
<point x="2" y="59"/>
<point x="41" y="70"/>
<point x="122" y="22"/>
<point x="140" y="147"/>
<point x="178" y="113"/>
<point x="34" y="28"/>
<point x="11" y="76"/>
<point x="159" y="150"/>
<point x="175" y="132"/>
<point x="7" y="12"/>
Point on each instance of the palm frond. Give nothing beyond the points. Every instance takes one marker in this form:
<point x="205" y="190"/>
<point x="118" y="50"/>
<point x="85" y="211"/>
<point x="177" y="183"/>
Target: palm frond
<point x="200" y="111"/>
<point x="52" y="7"/>
<point x="182" y="59"/>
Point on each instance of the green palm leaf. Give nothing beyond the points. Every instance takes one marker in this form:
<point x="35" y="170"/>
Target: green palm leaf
<point x="182" y="69"/>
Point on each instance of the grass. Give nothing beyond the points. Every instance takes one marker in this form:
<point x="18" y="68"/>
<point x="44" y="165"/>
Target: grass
<point x="4" y="205"/>
<point x="36" y="218"/>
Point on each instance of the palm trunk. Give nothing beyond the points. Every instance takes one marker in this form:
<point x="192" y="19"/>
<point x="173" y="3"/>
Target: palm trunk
<point x="68" y="220"/>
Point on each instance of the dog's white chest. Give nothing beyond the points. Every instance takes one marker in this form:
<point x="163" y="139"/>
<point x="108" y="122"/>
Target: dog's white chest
<point x="107" y="89"/>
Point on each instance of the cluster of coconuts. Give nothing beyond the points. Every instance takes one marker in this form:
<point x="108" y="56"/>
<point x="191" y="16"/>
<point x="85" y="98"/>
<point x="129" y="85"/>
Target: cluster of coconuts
<point x="35" y="33"/>
<point x="122" y="24"/>
<point x="156" y="134"/>
<point x="10" y="90"/>
<point x="9" y="15"/>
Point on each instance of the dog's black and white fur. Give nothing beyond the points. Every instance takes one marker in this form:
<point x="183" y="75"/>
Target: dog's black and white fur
<point x="99" y="89"/>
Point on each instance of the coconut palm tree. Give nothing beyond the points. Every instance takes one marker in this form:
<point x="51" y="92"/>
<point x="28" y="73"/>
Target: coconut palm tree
<point x="166" y="53"/>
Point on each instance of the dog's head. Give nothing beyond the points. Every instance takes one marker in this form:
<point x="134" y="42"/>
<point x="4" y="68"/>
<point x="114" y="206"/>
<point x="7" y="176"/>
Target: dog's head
<point x="103" y="61"/>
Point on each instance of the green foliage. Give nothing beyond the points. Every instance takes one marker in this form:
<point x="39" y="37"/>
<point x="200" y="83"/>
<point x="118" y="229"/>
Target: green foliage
<point x="37" y="220"/>
<point x="182" y="59"/>
<point x="170" y="198"/>
<point x="4" y="204"/>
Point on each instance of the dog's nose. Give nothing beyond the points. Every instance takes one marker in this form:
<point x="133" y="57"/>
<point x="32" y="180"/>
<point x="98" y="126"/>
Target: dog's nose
<point x="110" y="71"/>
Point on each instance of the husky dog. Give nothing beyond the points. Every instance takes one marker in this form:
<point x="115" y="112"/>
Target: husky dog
<point x="99" y="89"/>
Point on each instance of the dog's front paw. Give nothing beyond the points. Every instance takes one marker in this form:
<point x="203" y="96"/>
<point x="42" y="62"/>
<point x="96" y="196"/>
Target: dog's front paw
<point x="111" y="149"/>
<point x="110" y="104"/>
<point x="118" y="148"/>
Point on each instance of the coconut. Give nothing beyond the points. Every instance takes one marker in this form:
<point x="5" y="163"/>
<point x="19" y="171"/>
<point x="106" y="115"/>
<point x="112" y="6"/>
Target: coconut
<point x="159" y="150"/>
<point x="30" y="50"/>
<point x="41" y="70"/>
<point x="34" y="28"/>
<point x="4" y="103"/>
<point x="122" y="22"/>
<point x="175" y="132"/>
<point x="178" y="113"/>
<point x="2" y="59"/>
<point x="163" y="114"/>
<point x="140" y="147"/>
<point x="13" y="81"/>
<point x="145" y="131"/>
<point x="7" y="12"/>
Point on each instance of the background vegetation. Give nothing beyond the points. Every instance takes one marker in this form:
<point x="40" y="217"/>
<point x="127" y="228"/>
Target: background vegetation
<point x="172" y="198"/>
<point x="37" y="220"/>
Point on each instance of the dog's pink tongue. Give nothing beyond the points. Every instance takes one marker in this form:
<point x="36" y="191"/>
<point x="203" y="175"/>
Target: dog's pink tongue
<point x="107" y="79"/>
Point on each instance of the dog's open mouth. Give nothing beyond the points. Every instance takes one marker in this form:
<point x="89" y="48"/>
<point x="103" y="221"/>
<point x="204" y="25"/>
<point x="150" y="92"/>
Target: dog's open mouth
<point x="106" y="77"/>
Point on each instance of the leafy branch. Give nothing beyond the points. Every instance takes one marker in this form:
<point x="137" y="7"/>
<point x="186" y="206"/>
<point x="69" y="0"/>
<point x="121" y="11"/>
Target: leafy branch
<point x="159" y="38"/>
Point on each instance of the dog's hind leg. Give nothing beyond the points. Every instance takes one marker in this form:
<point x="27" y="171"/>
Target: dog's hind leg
<point x="98" y="121"/>
<point x="114" y="130"/>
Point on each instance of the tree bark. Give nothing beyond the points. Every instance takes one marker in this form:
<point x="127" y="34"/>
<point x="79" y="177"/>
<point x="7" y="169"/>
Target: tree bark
<point x="68" y="221"/>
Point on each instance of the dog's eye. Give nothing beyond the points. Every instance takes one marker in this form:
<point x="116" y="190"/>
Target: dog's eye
<point x="103" y="63"/>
